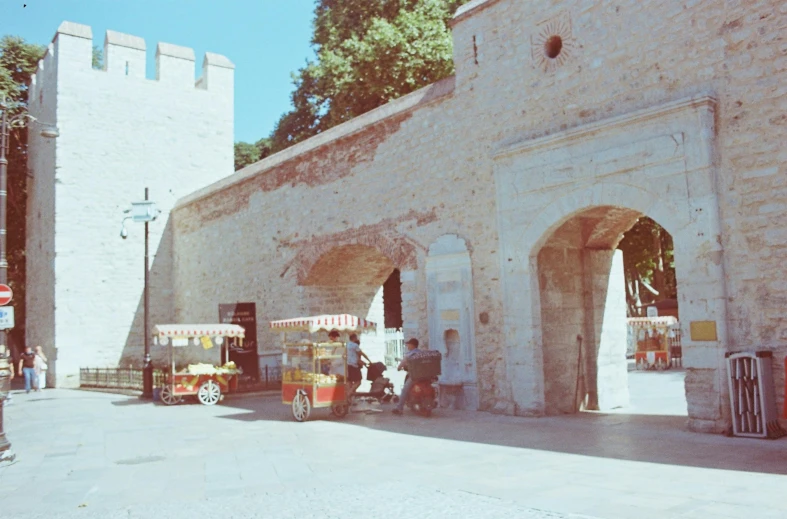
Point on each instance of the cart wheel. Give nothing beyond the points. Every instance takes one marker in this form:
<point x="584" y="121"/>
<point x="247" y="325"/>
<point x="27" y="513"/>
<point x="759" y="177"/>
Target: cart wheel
<point x="301" y="407"/>
<point x="209" y="393"/>
<point x="340" y="410"/>
<point x="168" y="397"/>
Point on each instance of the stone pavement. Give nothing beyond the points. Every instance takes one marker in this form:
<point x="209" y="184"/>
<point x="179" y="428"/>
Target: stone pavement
<point x="91" y="455"/>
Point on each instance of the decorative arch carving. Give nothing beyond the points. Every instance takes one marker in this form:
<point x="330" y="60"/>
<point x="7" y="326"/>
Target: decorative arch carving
<point x="400" y="251"/>
<point x="629" y="199"/>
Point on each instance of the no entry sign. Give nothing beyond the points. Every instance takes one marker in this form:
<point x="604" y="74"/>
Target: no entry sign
<point x="5" y="295"/>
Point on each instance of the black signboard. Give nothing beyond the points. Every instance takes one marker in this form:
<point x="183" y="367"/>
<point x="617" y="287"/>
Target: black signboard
<point x="244" y="314"/>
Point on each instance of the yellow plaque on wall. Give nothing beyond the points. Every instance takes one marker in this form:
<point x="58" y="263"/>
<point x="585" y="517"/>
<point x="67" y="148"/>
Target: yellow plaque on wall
<point x="449" y="315"/>
<point x="703" y="330"/>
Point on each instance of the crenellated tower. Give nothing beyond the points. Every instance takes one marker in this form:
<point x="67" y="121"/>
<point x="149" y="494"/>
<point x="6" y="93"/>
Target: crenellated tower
<point x="120" y="132"/>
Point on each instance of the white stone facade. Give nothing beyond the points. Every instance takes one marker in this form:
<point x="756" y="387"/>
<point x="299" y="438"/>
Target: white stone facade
<point x="538" y="157"/>
<point x="564" y="123"/>
<point x="119" y="133"/>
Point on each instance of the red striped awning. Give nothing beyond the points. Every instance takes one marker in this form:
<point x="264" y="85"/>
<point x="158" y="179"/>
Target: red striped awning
<point x="198" y="330"/>
<point x="652" y="322"/>
<point x="342" y="322"/>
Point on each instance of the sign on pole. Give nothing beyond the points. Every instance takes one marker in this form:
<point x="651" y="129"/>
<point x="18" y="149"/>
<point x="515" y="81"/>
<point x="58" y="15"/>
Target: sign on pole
<point x="6" y="317"/>
<point x="6" y="294"/>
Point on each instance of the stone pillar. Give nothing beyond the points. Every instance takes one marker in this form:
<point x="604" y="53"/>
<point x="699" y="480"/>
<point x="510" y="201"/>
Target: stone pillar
<point x="606" y="331"/>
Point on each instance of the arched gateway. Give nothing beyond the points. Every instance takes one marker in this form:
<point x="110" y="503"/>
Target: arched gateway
<point x="592" y="183"/>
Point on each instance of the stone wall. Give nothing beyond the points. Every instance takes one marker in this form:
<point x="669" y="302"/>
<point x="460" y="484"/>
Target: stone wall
<point x="659" y="108"/>
<point x="119" y="133"/>
<point x="577" y="113"/>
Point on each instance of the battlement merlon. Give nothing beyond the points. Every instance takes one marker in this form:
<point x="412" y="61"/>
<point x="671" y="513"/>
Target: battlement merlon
<point x="125" y="55"/>
<point x="218" y="73"/>
<point x="175" y="65"/>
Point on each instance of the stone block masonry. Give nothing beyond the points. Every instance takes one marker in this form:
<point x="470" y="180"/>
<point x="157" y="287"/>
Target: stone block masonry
<point x="565" y="122"/>
<point x="119" y="133"/>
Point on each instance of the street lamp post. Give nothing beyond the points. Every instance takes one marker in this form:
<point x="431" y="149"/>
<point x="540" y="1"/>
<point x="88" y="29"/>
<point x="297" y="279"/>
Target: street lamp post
<point x="6" y="123"/>
<point x="144" y="212"/>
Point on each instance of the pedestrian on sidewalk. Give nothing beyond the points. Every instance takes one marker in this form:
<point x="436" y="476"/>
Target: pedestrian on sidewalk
<point x="40" y="367"/>
<point x="354" y="355"/>
<point x="27" y="366"/>
<point x="412" y="346"/>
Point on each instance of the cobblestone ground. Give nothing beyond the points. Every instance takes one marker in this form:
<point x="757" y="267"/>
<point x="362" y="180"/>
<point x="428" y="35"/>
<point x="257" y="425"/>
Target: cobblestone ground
<point x="382" y="501"/>
<point x="96" y="455"/>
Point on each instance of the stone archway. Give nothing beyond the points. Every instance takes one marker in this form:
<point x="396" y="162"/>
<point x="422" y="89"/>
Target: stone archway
<point x="348" y="273"/>
<point x="657" y="162"/>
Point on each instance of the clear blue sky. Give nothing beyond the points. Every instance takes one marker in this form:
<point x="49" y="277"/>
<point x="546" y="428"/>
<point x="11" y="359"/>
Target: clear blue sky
<point x="266" y="39"/>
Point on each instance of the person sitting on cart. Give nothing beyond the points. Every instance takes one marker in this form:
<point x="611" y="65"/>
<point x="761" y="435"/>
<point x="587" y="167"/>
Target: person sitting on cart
<point x="412" y="346"/>
<point x="354" y="354"/>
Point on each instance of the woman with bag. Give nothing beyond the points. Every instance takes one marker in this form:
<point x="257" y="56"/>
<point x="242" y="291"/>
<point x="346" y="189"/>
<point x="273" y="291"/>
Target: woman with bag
<point x="40" y="367"/>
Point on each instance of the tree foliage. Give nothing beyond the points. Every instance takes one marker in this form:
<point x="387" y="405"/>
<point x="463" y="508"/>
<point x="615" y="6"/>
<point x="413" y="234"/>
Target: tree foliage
<point x="98" y="57"/>
<point x="18" y="61"/>
<point x="247" y="153"/>
<point x="649" y="263"/>
<point x="369" y="52"/>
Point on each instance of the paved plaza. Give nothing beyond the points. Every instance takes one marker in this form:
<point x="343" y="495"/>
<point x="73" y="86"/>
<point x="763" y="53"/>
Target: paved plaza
<point x="94" y="455"/>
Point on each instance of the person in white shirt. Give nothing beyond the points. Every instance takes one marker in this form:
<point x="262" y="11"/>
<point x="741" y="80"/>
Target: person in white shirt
<point x="354" y="355"/>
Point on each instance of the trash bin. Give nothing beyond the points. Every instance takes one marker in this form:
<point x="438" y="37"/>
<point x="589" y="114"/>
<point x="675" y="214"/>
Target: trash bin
<point x="752" y="395"/>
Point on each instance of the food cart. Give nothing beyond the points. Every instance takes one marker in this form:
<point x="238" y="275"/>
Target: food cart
<point x="187" y="374"/>
<point x="314" y="370"/>
<point x="652" y="335"/>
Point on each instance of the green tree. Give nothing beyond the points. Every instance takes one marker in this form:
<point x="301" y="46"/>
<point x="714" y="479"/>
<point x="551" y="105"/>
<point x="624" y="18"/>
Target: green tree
<point x="98" y="57"/>
<point x="649" y="263"/>
<point x="368" y="53"/>
<point x="247" y="153"/>
<point x="18" y="61"/>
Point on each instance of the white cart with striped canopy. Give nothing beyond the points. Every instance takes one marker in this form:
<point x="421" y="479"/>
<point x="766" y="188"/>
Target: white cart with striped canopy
<point x="314" y="368"/>
<point x="188" y="374"/>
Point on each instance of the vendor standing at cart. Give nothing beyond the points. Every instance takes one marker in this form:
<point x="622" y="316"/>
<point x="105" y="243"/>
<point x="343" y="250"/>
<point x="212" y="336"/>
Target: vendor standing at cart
<point x="354" y="354"/>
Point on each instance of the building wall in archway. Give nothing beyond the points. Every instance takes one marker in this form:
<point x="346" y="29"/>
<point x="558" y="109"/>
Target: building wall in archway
<point x="678" y="121"/>
<point x="675" y="185"/>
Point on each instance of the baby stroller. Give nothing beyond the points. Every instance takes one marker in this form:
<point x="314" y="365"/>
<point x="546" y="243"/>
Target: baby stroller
<point x="382" y="388"/>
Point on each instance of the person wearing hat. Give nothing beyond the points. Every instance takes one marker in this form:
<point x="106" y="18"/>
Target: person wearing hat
<point x="412" y="345"/>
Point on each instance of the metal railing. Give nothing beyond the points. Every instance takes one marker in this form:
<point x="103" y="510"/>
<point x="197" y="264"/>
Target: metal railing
<point x="130" y="378"/>
<point x="270" y="378"/>
<point x="116" y="378"/>
<point x="675" y="346"/>
<point x="394" y="346"/>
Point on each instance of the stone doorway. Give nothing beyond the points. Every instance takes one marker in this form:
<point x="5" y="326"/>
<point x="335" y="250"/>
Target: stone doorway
<point x="584" y="326"/>
<point x="575" y="191"/>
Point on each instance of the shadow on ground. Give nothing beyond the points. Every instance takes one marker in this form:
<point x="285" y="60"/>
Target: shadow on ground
<point x="644" y="438"/>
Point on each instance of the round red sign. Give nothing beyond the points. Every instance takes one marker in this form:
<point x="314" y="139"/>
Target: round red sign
<point x="5" y="295"/>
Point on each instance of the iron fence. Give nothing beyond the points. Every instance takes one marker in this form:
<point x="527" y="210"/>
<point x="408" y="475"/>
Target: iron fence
<point x="394" y="346"/>
<point x="131" y="379"/>
<point x="116" y="378"/>
<point x="675" y="346"/>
